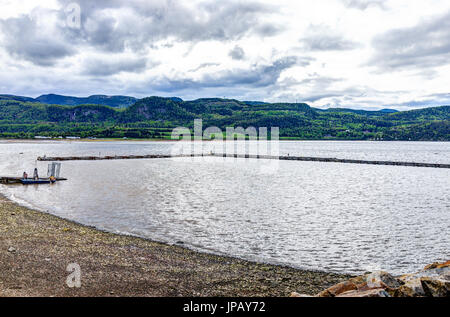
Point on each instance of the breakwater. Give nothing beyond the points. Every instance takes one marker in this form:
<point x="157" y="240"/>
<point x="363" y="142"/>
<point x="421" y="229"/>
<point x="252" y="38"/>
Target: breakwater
<point x="100" y="158"/>
<point x="247" y="156"/>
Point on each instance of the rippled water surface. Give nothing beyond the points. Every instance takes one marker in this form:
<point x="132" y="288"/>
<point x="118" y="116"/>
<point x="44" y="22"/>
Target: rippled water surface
<point x="325" y="216"/>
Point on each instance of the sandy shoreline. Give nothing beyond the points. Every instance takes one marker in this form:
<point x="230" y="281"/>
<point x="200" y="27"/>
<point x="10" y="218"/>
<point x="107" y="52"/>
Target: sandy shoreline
<point x="36" y="248"/>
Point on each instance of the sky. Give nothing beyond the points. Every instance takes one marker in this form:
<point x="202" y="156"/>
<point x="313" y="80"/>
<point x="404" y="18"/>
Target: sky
<point x="362" y="54"/>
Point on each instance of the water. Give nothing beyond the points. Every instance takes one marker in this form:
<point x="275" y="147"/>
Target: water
<point x="321" y="216"/>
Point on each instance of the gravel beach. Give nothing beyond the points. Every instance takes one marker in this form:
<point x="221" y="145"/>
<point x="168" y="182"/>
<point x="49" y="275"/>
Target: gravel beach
<point x="36" y="249"/>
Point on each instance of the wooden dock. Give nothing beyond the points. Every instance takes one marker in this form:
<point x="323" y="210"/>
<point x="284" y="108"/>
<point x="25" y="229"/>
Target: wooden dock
<point x="10" y="180"/>
<point x="336" y="160"/>
<point x="264" y="157"/>
<point x="100" y="158"/>
<point x="6" y="180"/>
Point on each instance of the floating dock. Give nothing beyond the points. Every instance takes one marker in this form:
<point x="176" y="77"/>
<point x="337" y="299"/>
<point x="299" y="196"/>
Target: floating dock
<point x="336" y="160"/>
<point x="100" y="158"/>
<point x="19" y="180"/>
<point x="10" y="180"/>
<point x="263" y="157"/>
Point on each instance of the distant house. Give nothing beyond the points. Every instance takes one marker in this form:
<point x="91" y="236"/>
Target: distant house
<point x="73" y="138"/>
<point x="40" y="137"/>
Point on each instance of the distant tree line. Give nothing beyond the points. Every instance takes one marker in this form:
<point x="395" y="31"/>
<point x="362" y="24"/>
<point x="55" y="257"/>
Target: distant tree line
<point x="155" y="117"/>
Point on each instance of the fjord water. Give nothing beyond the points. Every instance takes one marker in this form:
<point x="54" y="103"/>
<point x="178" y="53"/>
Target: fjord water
<point x="320" y="216"/>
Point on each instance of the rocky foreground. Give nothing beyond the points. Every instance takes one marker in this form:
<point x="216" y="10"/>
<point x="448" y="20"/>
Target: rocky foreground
<point x="432" y="281"/>
<point x="36" y="250"/>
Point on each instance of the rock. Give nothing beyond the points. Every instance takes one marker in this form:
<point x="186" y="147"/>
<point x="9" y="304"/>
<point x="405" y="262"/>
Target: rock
<point x="12" y="250"/>
<point x="435" y="287"/>
<point x="294" y="294"/>
<point x="439" y="270"/>
<point x="364" y="283"/>
<point x="432" y="281"/>
<point x="408" y="291"/>
<point x="437" y="266"/>
<point x="378" y="292"/>
<point x="359" y="279"/>
<point x="338" y="289"/>
<point x="412" y="288"/>
<point x="383" y="280"/>
<point x="432" y="276"/>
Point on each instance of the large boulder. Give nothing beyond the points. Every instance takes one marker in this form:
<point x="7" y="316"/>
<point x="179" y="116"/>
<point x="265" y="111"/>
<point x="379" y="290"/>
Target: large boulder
<point x="376" y="292"/>
<point x="338" y="289"/>
<point x="294" y="294"/>
<point x="364" y="283"/>
<point x="432" y="281"/>
<point x="437" y="266"/>
<point x="435" y="287"/>
<point x="383" y="280"/>
<point x="411" y="288"/>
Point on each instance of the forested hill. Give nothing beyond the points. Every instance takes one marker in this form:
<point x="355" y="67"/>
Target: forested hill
<point x="155" y="117"/>
<point x="112" y="101"/>
<point x="52" y="99"/>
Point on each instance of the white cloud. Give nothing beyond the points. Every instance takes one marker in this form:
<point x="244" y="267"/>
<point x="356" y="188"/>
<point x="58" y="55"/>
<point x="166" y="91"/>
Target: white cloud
<point x="346" y="53"/>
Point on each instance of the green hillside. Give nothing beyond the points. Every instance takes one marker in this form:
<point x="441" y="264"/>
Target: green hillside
<point x="112" y="101"/>
<point x="155" y="117"/>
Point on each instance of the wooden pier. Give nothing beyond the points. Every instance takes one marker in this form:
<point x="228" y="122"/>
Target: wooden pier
<point x="336" y="160"/>
<point x="100" y="158"/>
<point x="264" y="157"/>
<point x="6" y="180"/>
<point x="10" y="180"/>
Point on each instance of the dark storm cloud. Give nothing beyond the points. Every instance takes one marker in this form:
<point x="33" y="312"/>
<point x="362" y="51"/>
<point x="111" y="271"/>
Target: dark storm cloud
<point x="23" y="39"/>
<point x="142" y="23"/>
<point x="102" y="67"/>
<point x="423" y="46"/>
<point x="237" y="53"/>
<point x="256" y="77"/>
<point x="364" y="4"/>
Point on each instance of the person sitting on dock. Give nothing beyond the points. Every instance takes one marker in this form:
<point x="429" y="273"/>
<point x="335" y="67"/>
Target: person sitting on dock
<point x="25" y="175"/>
<point x="35" y="174"/>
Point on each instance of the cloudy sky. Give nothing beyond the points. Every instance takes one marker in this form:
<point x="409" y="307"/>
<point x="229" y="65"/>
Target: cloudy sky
<point x="329" y="53"/>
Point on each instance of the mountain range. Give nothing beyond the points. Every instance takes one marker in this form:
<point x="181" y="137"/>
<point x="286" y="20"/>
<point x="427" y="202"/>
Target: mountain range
<point x="155" y="117"/>
<point x="121" y="101"/>
<point x="53" y="99"/>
